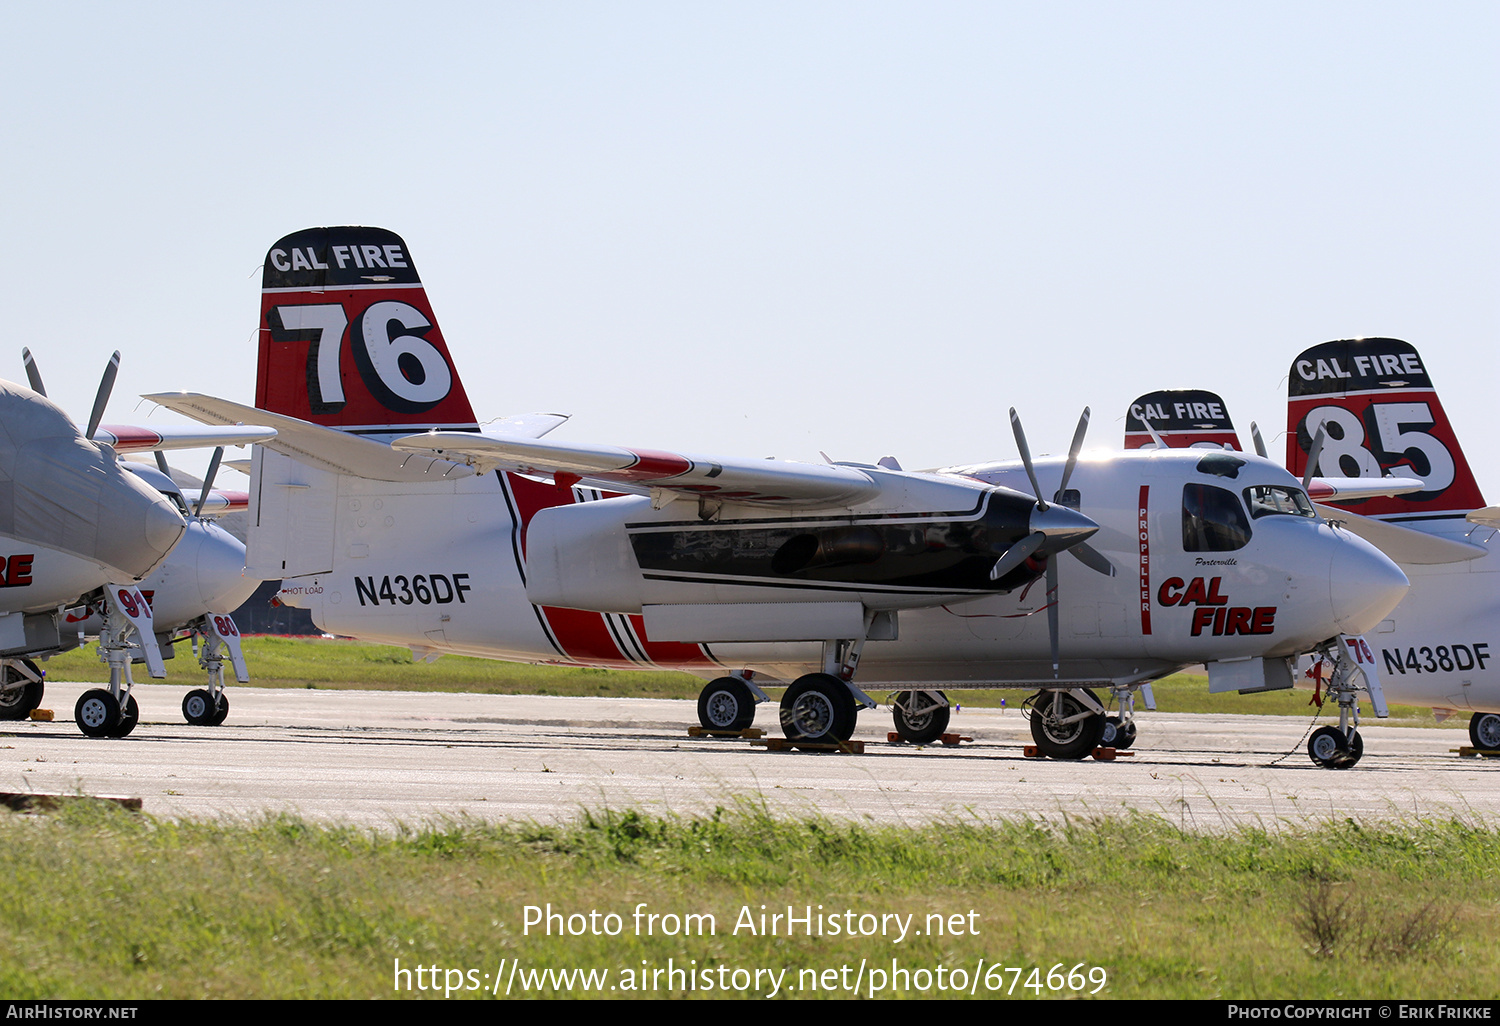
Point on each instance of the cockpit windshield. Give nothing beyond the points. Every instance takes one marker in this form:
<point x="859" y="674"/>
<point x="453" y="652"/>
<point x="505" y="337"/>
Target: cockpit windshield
<point x="1272" y="500"/>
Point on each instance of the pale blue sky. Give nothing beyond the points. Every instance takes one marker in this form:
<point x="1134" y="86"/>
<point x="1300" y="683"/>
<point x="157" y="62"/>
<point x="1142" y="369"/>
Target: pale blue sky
<point x="769" y="229"/>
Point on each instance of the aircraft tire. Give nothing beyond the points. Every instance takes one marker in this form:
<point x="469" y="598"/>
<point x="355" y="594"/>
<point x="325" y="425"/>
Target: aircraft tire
<point x="198" y="708"/>
<point x="17" y="703"/>
<point x="1484" y="731"/>
<point x="1328" y="748"/>
<point x="96" y="712"/>
<point x="1059" y="740"/>
<point x="923" y="728"/>
<point x="223" y="713"/>
<point x="1116" y="733"/>
<point x="129" y="717"/>
<point x="726" y="703"/>
<point x="818" y="707"/>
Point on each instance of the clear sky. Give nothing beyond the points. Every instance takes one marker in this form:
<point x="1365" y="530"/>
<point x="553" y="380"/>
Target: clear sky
<point x="769" y="229"/>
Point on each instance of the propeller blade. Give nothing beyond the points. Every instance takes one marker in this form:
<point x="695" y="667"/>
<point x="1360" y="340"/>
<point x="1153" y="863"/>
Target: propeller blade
<point x="33" y="375"/>
<point x="1313" y="452"/>
<point x="1017" y="554"/>
<point x="1083" y="426"/>
<point x="101" y="399"/>
<point x="1260" y="443"/>
<point x="208" y="481"/>
<point x="1015" y="426"/>
<point x="1091" y="558"/>
<point x="1052" y="629"/>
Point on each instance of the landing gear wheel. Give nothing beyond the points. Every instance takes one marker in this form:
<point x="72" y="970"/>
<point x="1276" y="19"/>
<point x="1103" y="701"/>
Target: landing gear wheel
<point x="1117" y="734"/>
<point x="1328" y="748"/>
<point x="1063" y="727"/>
<point x="129" y="717"/>
<point x="921" y="728"/>
<point x="1484" y="731"/>
<point x="223" y="713"/>
<point x="818" y="707"/>
<point x="726" y="704"/>
<point x="198" y="708"/>
<point x="17" y="702"/>
<point x="97" y="712"/>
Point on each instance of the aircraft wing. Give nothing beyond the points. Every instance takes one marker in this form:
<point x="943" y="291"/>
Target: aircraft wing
<point x="129" y="438"/>
<point x="759" y="482"/>
<point x="1345" y="489"/>
<point x="322" y="447"/>
<point x="1403" y="544"/>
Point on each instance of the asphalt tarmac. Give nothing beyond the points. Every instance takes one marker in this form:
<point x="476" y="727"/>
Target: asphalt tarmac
<point x="378" y="758"/>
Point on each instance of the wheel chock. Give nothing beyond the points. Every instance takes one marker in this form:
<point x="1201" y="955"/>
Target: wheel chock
<point x="1467" y="752"/>
<point x="1111" y="754"/>
<point x="41" y="715"/>
<point x="946" y="740"/>
<point x="782" y="744"/>
<point x="1032" y="752"/>
<point x="748" y="732"/>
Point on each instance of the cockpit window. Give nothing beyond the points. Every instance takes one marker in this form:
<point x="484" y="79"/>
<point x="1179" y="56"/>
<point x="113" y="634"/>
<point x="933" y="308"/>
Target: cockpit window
<point x="1212" y="520"/>
<point x="178" y="501"/>
<point x="1270" y="500"/>
<point x="1220" y="464"/>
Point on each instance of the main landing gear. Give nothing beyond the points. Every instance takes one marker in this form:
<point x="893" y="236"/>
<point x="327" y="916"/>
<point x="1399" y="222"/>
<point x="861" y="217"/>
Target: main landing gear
<point x="215" y="638"/>
<point x="21" y="688"/>
<point x="1066" y="723"/>
<point x="127" y="634"/>
<point x="921" y="716"/>
<point x="1484" y="731"/>
<point x="728" y="703"/>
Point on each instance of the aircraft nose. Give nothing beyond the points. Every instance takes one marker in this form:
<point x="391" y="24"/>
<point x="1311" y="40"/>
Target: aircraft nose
<point x="1365" y="585"/>
<point x="137" y="526"/>
<point x="1062" y="526"/>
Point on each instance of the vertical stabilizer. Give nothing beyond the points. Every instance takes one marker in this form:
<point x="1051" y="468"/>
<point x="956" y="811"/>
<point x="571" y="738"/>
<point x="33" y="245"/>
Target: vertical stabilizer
<point x="348" y="339"/>
<point x="1183" y="417"/>
<point x="1381" y="416"/>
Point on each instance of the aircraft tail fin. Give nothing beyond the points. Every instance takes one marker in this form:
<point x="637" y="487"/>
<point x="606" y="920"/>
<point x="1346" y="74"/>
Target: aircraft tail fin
<point x="348" y="339"/>
<point x="1184" y="417"/>
<point x="1381" y="416"/>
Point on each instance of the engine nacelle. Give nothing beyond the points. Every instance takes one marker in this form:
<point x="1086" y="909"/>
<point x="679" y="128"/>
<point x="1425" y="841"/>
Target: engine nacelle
<point x="620" y="555"/>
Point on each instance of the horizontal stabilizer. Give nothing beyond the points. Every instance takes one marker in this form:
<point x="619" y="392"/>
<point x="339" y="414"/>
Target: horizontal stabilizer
<point x="1403" y="544"/>
<point x="759" y="482"/>
<point x="325" y="448"/>
<point x="1344" y="489"/>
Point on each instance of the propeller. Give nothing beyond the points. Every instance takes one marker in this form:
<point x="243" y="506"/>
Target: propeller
<point x="1260" y="443"/>
<point x="1313" y="452"/>
<point x="33" y="375"/>
<point x="1064" y="526"/>
<point x="101" y="398"/>
<point x="208" y="480"/>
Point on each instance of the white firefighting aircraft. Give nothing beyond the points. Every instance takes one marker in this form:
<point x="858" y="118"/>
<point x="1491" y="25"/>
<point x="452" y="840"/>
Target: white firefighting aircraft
<point x="1390" y="470"/>
<point x="79" y="529"/>
<point x="1375" y="402"/>
<point x="394" y="517"/>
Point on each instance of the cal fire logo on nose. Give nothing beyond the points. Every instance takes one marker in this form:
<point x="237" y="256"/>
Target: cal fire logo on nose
<point x="1213" y="612"/>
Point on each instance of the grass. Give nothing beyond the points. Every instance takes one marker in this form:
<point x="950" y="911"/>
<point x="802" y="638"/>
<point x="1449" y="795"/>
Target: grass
<point x="343" y="664"/>
<point x="120" y="905"/>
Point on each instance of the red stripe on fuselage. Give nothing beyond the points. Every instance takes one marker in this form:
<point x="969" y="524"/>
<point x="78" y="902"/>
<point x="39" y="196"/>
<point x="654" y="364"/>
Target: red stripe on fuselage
<point x="582" y="635"/>
<point x="677" y="654"/>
